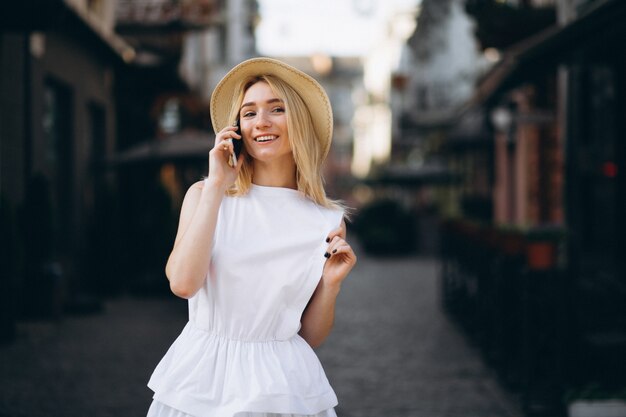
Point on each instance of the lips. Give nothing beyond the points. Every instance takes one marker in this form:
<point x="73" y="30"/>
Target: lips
<point x="265" y="138"/>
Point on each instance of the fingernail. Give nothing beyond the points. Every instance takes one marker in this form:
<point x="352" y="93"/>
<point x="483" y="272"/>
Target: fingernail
<point x="335" y="251"/>
<point x="327" y="255"/>
<point x="327" y="239"/>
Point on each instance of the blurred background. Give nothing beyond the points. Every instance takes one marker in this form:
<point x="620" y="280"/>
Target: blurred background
<point x="483" y="137"/>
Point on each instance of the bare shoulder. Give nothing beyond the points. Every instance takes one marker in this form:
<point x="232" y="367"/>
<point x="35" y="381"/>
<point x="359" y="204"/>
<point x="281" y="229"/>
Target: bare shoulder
<point x="196" y="187"/>
<point x="193" y="194"/>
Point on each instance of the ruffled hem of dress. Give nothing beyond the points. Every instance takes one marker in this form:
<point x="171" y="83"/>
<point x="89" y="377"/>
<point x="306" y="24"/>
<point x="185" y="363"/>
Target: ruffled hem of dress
<point x="204" y="374"/>
<point x="269" y="405"/>
<point x="159" y="409"/>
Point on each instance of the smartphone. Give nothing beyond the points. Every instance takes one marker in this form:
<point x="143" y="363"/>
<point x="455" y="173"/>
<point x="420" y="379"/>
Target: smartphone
<point x="237" y="145"/>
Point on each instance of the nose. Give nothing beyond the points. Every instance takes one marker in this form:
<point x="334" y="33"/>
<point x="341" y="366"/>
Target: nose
<point x="263" y="120"/>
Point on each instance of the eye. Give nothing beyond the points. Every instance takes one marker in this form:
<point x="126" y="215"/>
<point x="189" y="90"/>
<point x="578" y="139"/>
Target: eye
<point x="278" y="109"/>
<point x="248" y="114"/>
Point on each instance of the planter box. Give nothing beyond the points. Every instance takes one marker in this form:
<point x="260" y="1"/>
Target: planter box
<point x="597" y="408"/>
<point x="541" y="256"/>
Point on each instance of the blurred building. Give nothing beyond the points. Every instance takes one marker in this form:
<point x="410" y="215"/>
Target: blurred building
<point x="385" y="76"/>
<point x="58" y="120"/>
<point x="210" y="53"/>
<point x="104" y="123"/>
<point x="445" y="61"/>
<point x="416" y="80"/>
<point x="506" y="115"/>
<point x="538" y="148"/>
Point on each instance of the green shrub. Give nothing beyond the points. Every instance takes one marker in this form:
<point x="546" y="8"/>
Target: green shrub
<point x="384" y="227"/>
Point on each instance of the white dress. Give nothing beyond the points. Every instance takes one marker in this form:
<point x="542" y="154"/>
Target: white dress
<point x="240" y="353"/>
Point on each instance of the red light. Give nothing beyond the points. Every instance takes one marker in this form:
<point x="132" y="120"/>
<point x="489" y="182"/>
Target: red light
<point x="609" y="169"/>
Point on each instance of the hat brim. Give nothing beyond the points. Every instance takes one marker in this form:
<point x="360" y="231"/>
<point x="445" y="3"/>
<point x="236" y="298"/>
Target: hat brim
<point x="311" y="92"/>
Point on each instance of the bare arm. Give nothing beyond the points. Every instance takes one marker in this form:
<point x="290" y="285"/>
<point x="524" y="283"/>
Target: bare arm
<point x="188" y="263"/>
<point x="319" y="315"/>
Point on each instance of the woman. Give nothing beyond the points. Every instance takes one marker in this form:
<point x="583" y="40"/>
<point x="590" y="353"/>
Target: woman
<point x="260" y="253"/>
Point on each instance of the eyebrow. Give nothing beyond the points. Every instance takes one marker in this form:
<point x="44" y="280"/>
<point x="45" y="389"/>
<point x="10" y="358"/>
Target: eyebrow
<point x="270" y="101"/>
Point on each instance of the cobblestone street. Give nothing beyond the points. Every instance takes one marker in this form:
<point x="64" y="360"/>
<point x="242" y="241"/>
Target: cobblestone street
<point x="392" y="354"/>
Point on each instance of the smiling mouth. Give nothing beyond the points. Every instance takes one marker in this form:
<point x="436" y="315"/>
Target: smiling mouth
<point x="265" y="139"/>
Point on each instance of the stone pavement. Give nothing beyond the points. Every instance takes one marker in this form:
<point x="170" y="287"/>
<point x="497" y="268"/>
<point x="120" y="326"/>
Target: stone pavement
<point x="89" y="366"/>
<point x="392" y="354"/>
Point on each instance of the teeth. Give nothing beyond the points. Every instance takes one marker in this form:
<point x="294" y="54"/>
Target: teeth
<point x="265" y="138"/>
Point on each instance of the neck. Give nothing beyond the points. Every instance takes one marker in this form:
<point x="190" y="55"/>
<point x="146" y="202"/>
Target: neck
<point x="275" y="175"/>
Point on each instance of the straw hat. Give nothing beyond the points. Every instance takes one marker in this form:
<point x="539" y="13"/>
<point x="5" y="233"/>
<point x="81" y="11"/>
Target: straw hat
<point x="309" y="90"/>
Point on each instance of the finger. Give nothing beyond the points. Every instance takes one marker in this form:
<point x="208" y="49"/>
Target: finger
<point x="228" y="148"/>
<point x="339" y="231"/>
<point x="227" y="132"/>
<point x="228" y="136"/>
<point x="336" y="241"/>
<point x="225" y="149"/>
<point x="343" y="248"/>
<point x="232" y="134"/>
<point x="219" y="140"/>
<point x="343" y="254"/>
<point x="334" y="244"/>
<point x="224" y="145"/>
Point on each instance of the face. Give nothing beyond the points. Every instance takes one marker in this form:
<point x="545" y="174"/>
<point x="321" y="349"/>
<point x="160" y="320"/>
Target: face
<point x="263" y="124"/>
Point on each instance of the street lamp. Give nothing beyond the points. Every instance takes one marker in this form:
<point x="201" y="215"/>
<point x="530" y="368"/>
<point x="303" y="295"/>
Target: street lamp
<point x="502" y="118"/>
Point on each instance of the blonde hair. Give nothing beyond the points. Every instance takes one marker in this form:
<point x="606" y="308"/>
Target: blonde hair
<point x="306" y="147"/>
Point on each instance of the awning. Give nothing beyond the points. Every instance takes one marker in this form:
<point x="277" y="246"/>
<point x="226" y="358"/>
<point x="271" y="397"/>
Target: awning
<point x="554" y="45"/>
<point x="65" y="16"/>
<point x="408" y="176"/>
<point x="188" y="145"/>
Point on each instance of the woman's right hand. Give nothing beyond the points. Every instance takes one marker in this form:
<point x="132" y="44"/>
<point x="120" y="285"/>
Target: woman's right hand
<point x="220" y="172"/>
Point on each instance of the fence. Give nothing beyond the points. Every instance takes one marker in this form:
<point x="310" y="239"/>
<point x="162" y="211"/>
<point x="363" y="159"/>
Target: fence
<point x="505" y="289"/>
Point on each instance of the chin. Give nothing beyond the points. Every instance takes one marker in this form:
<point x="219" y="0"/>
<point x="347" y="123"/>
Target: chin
<point x="270" y="156"/>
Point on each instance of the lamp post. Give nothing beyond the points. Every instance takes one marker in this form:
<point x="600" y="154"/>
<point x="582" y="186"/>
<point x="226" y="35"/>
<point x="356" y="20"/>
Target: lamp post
<point x="502" y="119"/>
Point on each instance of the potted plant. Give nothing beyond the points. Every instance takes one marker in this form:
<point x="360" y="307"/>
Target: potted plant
<point x="386" y="227"/>
<point x="541" y="247"/>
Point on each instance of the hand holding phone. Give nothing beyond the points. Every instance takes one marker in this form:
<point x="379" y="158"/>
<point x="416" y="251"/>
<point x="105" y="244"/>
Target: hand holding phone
<point x="237" y="145"/>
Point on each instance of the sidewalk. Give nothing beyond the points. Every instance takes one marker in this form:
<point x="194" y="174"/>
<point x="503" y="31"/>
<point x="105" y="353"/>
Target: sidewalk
<point x="89" y="366"/>
<point x="392" y="354"/>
